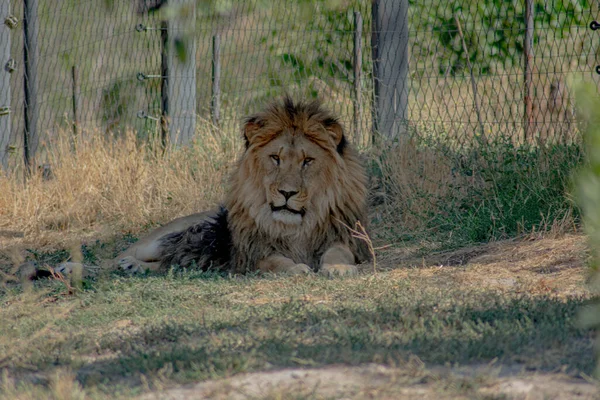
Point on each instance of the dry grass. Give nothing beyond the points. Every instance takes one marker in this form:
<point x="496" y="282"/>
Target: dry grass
<point x="62" y="386"/>
<point x="106" y="184"/>
<point x="417" y="181"/>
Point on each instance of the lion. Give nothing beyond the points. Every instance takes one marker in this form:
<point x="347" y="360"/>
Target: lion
<point x="297" y="188"/>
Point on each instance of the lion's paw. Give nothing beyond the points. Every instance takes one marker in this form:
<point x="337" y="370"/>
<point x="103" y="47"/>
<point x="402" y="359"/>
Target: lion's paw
<point x="298" y="269"/>
<point x="129" y="265"/>
<point x="332" y="270"/>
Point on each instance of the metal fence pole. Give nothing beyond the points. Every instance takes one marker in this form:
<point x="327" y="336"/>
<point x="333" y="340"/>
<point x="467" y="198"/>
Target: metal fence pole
<point x="75" y="99"/>
<point x="30" y="63"/>
<point x="390" y="66"/>
<point x="216" y="80"/>
<point x="375" y="29"/>
<point x="182" y="71"/>
<point x="528" y="78"/>
<point x="5" y="110"/>
<point x="357" y="64"/>
<point x="164" y="83"/>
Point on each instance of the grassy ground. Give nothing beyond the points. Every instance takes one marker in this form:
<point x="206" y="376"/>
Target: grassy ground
<point x="513" y="304"/>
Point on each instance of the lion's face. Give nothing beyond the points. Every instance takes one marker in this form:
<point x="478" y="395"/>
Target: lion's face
<point x="294" y="171"/>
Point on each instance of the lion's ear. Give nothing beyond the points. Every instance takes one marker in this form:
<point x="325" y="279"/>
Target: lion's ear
<point x="251" y="126"/>
<point x="337" y="132"/>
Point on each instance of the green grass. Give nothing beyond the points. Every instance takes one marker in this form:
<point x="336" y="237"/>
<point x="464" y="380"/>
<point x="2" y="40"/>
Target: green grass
<point x="524" y="187"/>
<point x="122" y="333"/>
<point x="457" y="196"/>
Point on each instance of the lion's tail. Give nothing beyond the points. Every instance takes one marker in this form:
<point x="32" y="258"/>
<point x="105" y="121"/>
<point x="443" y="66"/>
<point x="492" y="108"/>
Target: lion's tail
<point x="206" y="245"/>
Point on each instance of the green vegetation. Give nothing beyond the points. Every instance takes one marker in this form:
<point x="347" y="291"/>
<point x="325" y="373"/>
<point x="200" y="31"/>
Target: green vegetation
<point x="489" y="192"/>
<point x="494" y="30"/>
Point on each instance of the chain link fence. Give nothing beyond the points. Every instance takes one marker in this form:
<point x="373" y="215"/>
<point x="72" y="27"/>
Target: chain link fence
<point x="458" y="70"/>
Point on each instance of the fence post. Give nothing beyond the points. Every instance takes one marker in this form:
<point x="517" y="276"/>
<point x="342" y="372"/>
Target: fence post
<point x="75" y="99"/>
<point x="528" y="78"/>
<point x="215" y="103"/>
<point x="164" y="83"/>
<point x="30" y="63"/>
<point x="5" y="110"/>
<point x="181" y="86"/>
<point x="390" y="67"/>
<point x="357" y="53"/>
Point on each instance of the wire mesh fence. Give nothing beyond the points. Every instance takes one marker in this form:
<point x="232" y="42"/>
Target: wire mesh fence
<point x="457" y="70"/>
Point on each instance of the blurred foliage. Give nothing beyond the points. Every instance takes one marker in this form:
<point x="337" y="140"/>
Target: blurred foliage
<point x="328" y="28"/>
<point x="494" y="30"/>
<point x="588" y="195"/>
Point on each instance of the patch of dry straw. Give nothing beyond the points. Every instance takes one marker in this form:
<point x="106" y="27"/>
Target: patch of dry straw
<point x="119" y="183"/>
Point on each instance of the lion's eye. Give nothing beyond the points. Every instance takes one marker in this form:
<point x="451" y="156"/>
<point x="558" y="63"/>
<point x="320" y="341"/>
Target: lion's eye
<point x="307" y="161"/>
<point x="275" y="158"/>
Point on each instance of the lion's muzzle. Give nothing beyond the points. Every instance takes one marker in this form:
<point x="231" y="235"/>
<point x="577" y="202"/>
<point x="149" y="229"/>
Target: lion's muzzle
<point x="287" y="215"/>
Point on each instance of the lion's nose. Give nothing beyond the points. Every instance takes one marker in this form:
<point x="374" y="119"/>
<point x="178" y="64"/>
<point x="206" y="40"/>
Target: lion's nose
<point x="287" y="194"/>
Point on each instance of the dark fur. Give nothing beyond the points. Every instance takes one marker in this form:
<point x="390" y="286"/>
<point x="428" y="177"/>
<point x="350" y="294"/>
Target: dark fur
<point x="206" y="245"/>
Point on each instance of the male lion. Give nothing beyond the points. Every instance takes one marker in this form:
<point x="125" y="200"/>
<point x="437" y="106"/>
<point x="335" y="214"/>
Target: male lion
<point x="296" y="185"/>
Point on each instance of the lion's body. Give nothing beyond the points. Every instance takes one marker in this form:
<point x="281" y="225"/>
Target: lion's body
<point x="146" y="253"/>
<point x="297" y="188"/>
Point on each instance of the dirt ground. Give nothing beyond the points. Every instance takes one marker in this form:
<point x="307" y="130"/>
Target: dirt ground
<point x="378" y="382"/>
<point x="548" y="265"/>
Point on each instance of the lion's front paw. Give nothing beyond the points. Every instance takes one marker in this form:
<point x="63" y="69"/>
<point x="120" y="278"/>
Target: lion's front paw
<point x="298" y="269"/>
<point x="332" y="270"/>
<point x="129" y="265"/>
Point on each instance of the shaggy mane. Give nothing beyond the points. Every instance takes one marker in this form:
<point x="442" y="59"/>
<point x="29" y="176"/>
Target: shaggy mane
<point x="301" y="115"/>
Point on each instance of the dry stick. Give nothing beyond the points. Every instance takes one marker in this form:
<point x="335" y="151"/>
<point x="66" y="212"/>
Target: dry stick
<point x="473" y="84"/>
<point x="361" y="233"/>
<point x="61" y="278"/>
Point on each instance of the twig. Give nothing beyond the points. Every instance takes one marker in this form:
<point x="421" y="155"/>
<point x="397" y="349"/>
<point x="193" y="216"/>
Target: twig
<point x="361" y="233"/>
<point x="60" y="277"/>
